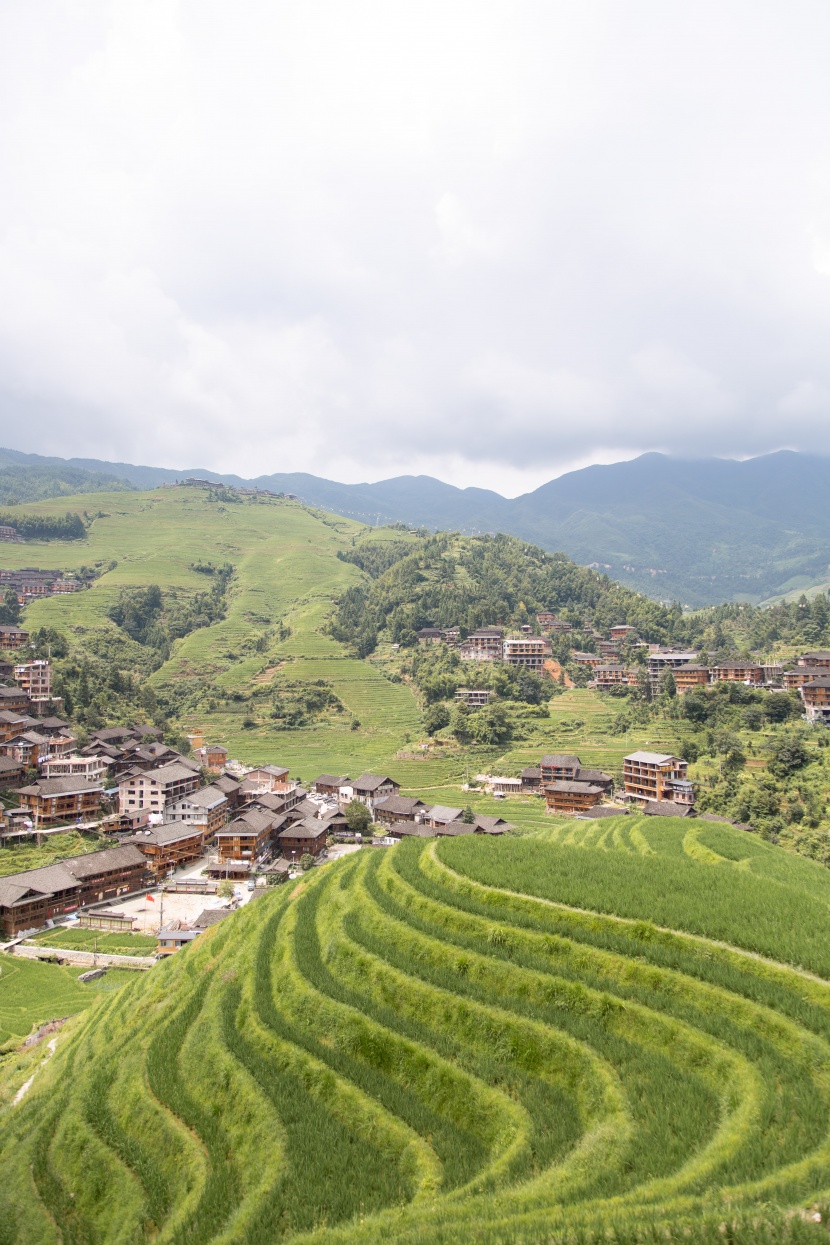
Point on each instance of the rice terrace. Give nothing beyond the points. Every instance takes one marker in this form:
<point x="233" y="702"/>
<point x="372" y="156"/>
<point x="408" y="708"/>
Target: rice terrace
<point x="400" y="1049"/>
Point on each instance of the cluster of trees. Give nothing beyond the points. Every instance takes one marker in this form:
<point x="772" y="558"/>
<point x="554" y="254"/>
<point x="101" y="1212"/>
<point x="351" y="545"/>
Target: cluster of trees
<point x="438" y="671"/>
<point x="9" y="609"/>
<point x="473" y="581"/>
<point x="376" y="556"/>
<point x="155" y="619"/>
<point x="23" y="483"/>
<point x="46" y="526"/>
<point x="298" y="704"/>
<point x="489" y="725"/>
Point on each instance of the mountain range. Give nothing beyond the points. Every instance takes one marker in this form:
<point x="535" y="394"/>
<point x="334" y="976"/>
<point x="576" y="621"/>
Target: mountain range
<point x="698" y="531"/>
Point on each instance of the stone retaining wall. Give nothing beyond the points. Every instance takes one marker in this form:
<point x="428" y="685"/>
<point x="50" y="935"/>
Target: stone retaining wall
<point x="85" y="958"/>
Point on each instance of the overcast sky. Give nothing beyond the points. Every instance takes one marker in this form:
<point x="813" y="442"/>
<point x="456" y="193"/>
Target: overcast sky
<point x="486" y="241"/>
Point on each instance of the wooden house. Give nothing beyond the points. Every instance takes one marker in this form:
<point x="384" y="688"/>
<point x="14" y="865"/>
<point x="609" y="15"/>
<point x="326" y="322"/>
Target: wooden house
<point x="330" y="784"/>
<point x="816" y="698"/>
<point x="820" y="658"/>
<point x="12" y="638"/>
<point x="530" y="651"/>
<point x="400" y="808"/>
<point x="689" y="676"/>
<point x="168" y="846"/>
<point x="558" y="766"/>
<point x="306" y="837"/>
<point x="622" y="631"/>
<point x="247" y="836"/>
<point x="369" y="789"/>
<point x="743" y="670"/>
<point x="531" y="779"/>
<point x="28" y="900"/>
<point x="52" y="800"/>
<point x="564" y="796"/>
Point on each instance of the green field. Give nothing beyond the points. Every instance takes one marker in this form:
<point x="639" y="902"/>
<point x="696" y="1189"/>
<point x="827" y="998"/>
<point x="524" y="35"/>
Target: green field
<point x="32" y="994"/>
<point x="400" y="1050"/>
<point x="90" y="940"/>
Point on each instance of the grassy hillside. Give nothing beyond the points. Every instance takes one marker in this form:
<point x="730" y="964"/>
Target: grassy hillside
<point x="225" y="677"/>
<point x="285" y="575"/>
<point x="397" y="1050"/>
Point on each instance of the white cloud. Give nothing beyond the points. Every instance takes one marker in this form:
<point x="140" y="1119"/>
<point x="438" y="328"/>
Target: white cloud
<point x="484" y="239"/>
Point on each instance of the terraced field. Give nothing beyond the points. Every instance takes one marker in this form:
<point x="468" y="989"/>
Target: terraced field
<point x="402" y="1050"/>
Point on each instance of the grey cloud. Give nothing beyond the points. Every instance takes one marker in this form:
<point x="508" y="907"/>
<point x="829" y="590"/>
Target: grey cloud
<point x="487" y="241"/>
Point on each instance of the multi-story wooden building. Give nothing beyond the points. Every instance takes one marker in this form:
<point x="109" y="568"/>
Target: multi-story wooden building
<point x="531" y="780"/>
<point x="400" y="808"/>
<point x="689" y="676"/>
<point x="526" y="650"/>
<point x="330" y="784"/>
<point x="28" y="900"/>
<point x="247" y="836"/>
<point x="52" y="800"/>
<point x="306" y="837"/>
<point x="430" y="635"/>
<point x="816" y="697"/>
<point x="13" y="699"/>
<point x="558" y="766"/>
<point x="793" y="679"/>
<point x="622" y="631"/>
<point x="13" y="638"/>
<point x="667" y="659"/>
<point x="168" y="846"/>
<point x="564" y="796"/>
<point x="657" y="776"/>
<point x="586" y="659"/>
<point x="213" y="756"/>
<point x="612" y="675"/>
<point x="11" y="771"/>
<point x="370" y="789"/>
<point x="821" y="659"/>
<point x="29" y="748"/>
<point x="743" y="670"/>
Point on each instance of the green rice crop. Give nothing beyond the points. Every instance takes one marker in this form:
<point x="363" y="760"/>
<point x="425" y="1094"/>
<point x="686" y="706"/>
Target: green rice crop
<point x="598" y="1033"/>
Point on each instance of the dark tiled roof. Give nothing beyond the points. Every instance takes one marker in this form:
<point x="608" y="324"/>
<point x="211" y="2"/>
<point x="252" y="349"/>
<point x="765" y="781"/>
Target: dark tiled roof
<point x="371" y="782"/>
<point x="665" y="808"/>
<point x="560" y="760"/>
<point x="573" y="788"/>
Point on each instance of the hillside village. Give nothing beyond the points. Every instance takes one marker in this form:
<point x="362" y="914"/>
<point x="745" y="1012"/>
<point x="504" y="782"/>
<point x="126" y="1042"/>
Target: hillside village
<point x="160" y="810"/>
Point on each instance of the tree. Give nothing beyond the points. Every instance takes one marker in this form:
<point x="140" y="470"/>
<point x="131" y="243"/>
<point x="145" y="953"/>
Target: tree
<point x="468" y="816"/>
<point x="306" y="861"/>
<point x="490" y="725"/>
<point x="10" y="609"/>
<point x="789" y="753"/>
<point x="459" y="720"/>
<point x="358" y="817"/>
<point x="436" y="718"/>
<point x="225" y="889"/>
<point x="668" y="686"/>
<point x="780" y="705"/>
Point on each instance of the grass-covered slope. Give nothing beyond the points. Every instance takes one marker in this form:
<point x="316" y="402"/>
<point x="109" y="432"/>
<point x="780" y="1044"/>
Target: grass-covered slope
<point x="226" y="676"/>
<point x="397" y="1050"/>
